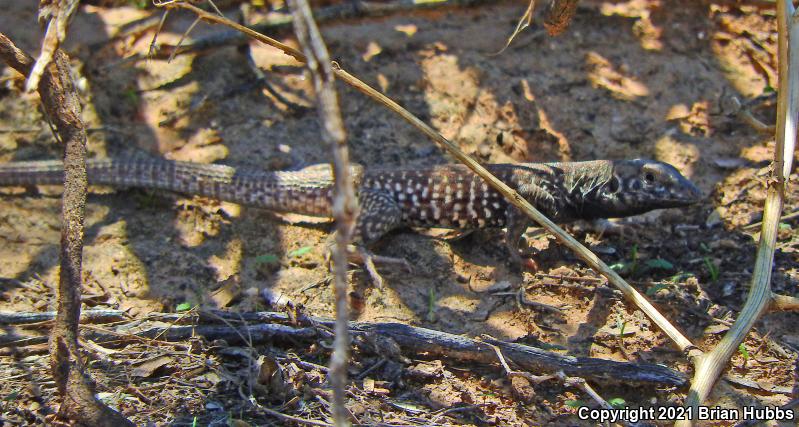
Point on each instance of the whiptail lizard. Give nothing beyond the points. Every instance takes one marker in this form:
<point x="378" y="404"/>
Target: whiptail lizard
<point x="441" y="196"/>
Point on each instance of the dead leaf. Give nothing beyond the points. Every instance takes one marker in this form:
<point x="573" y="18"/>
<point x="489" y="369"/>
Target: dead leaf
<point x="271" y="380"/>
<point x="372" y="49"/>
<point x="227" y="293"/>
<point x="149" y="367"/>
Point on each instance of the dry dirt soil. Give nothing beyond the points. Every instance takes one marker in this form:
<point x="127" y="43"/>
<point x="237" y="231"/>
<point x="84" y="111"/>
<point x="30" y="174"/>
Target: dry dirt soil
<point x="628" y="79"/>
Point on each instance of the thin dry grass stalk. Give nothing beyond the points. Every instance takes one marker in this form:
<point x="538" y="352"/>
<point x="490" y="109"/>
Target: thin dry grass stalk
<point x="57" y="13"/>
<point x="710" y="365"/>
<point x="345" y="205"/>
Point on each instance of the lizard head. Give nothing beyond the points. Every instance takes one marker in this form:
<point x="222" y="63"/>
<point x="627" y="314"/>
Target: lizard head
<point x="638" y="186"/>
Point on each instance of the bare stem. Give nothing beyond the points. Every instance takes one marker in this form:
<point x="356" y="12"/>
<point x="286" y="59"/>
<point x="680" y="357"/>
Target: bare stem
<point x="60" y="101"/>
<point x="345" y="205"/>
<point x="710" y="365"/>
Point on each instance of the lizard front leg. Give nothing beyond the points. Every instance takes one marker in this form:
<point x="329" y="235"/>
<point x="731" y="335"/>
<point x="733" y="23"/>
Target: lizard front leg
<point x="516" y="224"/>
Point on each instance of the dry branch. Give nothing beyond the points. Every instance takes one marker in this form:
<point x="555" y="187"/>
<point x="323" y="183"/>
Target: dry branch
<point x="345" y="205"/>
<point x="86" y="316"/>
<point x="345" y="10"/>
<point x="274" y="327"/>
<point x="57" y="14"/>
<point x="710" y="365"/>
<point x="783" y="303"/>
<point x="62" y="106"/>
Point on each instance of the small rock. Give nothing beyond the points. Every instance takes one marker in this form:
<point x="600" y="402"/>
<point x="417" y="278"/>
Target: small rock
<point x="728" y="289"/>
<point x="484" y="150"/>
<point x="501" y="286"/>
<point x="724" y="244"/>
<point x="730" y="163"/>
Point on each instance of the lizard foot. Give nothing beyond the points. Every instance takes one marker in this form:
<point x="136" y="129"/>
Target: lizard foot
<point x="362" y="256"/>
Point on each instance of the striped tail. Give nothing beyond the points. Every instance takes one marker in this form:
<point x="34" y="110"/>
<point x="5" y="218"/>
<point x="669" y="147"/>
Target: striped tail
<point x="305" y="192"/>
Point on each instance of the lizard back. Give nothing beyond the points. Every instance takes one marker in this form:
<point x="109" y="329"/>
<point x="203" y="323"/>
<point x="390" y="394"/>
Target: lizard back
<point x="454" y="196"/>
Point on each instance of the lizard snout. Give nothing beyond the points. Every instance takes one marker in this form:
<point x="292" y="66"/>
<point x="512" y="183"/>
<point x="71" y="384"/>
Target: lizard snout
<point x="687" y="193"/>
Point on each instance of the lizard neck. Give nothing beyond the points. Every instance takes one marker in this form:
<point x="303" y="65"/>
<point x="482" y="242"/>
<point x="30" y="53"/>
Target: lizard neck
<point x="582" y="184"/>
<point x="562" y="190"/>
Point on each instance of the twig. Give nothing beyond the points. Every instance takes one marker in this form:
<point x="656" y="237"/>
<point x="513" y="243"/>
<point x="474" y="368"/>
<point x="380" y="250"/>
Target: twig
<point x="535" y="379"/>
<point x="269" y="327"/>
<point x="759" y="224"/>
<point x="744" y="113"/>
<point x="584" y="386"/>
<point x="345" y="205"/>
<point x="88" y="316"/>
<point x="57" y="14"/>
<point x="568" y="381"/>
<point x="61" y="104"/>
<point x="286" y="417"/>
<point x="277" y="23"/>
<point x="710" y="365"/>
<point x="783" y="303"/>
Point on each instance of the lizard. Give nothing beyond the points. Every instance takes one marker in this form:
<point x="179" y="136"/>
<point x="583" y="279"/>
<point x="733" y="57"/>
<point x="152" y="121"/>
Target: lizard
<point x="448" y="196"/>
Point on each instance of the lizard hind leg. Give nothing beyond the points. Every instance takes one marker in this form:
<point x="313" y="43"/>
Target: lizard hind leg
<point x="379" y="214"/>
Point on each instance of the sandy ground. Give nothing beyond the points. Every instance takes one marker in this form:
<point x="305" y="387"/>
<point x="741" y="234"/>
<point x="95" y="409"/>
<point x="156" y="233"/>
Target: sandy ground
<point x="628" y="79"/>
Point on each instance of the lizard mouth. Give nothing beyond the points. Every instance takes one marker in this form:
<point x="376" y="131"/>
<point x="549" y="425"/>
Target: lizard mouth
<point x="688" y="195"/>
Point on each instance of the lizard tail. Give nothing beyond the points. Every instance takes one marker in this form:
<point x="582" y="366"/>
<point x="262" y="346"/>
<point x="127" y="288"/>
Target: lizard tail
<point x="304" y="192"/>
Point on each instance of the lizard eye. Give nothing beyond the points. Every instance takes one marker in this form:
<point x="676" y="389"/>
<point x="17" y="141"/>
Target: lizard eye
<point x="649" y="177"/>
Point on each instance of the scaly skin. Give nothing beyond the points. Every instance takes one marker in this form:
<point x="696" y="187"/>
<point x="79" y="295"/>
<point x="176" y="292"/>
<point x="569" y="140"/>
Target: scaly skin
<point x="441" y="196"/>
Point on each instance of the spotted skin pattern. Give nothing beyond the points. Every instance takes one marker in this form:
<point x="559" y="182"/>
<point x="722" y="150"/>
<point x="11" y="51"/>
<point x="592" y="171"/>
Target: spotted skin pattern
<point x="441" y="196"/>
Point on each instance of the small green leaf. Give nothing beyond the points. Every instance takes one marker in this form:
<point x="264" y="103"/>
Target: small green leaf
<point x="575" y="403"/>
<point x="617" y="402"/>
<point x="431" y="305"/>
<point x="712" y="269"/>
<point x="656" y="288"/>
<point x="184" y="306"/>
<point x="619" y="266"/>
<point x="659" y="263"/>
<point x="132" y="96"/>
<point x="12" y="396"/>
<point x="620" y="324"/>
<point x="299" y="252"/>
<point x="744" y="352"/>
<point x="785" y="226"/>
<point x="266" y="259"/>
<point x="679" y="277"/>
<point x="768" y="89"/>
<point x="704" y="247"/>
